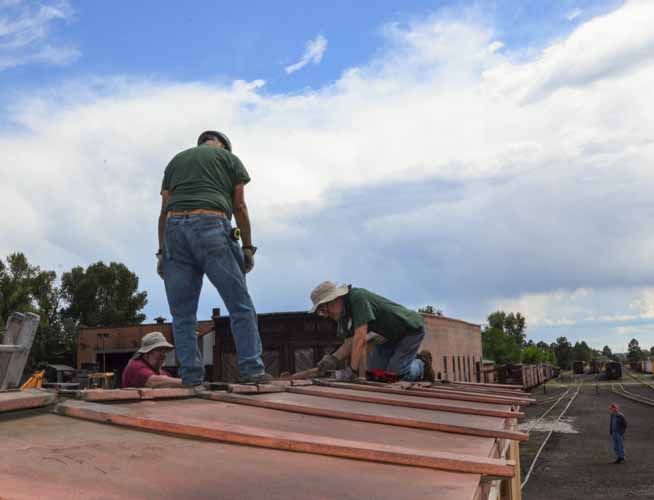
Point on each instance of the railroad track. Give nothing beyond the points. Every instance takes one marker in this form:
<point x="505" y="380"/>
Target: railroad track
<point x="558" y="419"/>
<point x="621" y="391"/>
<point x="638" y="379"/>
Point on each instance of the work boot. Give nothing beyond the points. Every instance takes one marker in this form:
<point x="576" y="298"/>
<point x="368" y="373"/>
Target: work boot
<point x="264" y="378"/>
<point x="428" y="373"/>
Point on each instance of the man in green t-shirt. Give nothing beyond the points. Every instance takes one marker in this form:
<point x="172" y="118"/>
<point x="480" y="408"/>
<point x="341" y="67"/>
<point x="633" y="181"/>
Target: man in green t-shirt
<point x="357" y="312"/>
<point x="202" y="188"/>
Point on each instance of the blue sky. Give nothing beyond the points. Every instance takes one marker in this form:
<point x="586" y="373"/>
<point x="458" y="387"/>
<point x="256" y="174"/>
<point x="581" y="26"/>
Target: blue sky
<point x="471" y="155"/>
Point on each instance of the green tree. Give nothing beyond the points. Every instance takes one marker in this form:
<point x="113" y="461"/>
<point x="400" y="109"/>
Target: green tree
<point x="651" y="351"/>
<point x="582" y="352"/>
<point x="430" y="310"/>
<point x="606" y="351"/>
<point x="27" y="288"/>
<point x="634" y="352"/>
<point x="512" y="324"/>
<point x="103" y="295"/>
<point x="563" y="352"/>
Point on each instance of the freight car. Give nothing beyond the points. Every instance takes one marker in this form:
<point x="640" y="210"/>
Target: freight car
<point x="613" y="370"/>
<point x="578" y="367"/>
<point x="526" y="376"/>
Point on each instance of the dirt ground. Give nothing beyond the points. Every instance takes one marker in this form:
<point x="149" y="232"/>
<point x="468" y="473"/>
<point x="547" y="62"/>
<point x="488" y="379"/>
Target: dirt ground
<point x="577" y="462"/>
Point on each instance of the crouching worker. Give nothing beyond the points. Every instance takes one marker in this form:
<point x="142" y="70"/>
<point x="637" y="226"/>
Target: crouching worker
<point x="357" y="312"/>
<point x="145" y="369"/>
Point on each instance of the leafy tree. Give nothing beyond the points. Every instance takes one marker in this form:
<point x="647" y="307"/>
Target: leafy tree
<point x="430" y="310"/>
<point x="512" y="324"/>
<point x="606" y="351"/>
<point x="103" y="295"/>
<point x="582" y="352"/>
<point x="651" y="351"/>
<point x="563" y="352"/>
<point x="634" y="352"/>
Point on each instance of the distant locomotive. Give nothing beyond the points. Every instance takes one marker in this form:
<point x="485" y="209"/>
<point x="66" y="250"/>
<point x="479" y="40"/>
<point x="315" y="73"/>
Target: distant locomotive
<point x="613" y="370"/>
<point x="578" y="367"/>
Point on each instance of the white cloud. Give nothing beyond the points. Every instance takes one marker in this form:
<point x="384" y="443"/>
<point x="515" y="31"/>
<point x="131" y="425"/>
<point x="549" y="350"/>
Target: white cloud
<point x="313" y="52"/>
<point x="418" y="175"/>
<point x="25" y="30"/>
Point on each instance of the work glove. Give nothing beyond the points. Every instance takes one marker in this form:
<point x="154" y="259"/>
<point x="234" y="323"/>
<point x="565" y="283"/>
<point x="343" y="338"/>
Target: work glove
<point x="248" y="259"/>
<point x="160" y="260"/>
<point x="328" y="363"/>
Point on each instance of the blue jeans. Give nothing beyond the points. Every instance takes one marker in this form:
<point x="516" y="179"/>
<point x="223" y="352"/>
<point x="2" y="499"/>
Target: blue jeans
<point x="399" y="356"/>
<point x="618" y="445"/>
<point x="194" y="246"/>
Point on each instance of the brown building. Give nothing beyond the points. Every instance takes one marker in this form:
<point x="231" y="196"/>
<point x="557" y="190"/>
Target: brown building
<point x="292" y="342"/>
<point x="109" y="349"/>
<point x="455" y="346"/>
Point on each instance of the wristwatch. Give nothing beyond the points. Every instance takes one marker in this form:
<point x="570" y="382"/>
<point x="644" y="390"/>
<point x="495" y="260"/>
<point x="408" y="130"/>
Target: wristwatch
<point x="251" y="247"/>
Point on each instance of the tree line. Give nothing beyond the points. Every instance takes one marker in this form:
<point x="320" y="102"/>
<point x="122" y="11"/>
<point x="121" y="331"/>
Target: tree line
<point x="504" y="340"/>
<point x="100" y="295"/>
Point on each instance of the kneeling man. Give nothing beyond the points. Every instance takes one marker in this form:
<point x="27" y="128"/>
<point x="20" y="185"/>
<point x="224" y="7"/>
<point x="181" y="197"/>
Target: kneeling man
<point x="145" y="369"/>
<point x="356" y="312"/>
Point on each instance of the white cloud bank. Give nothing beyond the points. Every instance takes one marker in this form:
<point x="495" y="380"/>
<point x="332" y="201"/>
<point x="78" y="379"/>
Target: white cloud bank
<point x="443" y="171"/>
<point x="24" y="33"/>
<point x="313" y="52"/>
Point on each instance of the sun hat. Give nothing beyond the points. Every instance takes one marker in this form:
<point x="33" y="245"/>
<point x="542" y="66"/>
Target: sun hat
<point x="153" y="340"/>
<point x="326" y="292"/>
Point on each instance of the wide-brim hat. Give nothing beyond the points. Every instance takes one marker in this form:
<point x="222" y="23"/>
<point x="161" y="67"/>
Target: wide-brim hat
<point x="154" y="340"/>
<point x="326" y="292"/>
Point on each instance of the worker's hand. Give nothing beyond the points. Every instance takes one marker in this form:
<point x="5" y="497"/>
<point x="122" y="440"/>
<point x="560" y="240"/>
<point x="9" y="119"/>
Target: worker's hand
<point x="328" y="363"/>
<point x="160" y="260"/>
<point x="248" y="257"/>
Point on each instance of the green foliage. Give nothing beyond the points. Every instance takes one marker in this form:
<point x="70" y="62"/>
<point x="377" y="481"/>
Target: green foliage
<point x="430" y="310"/>
<point x="513" y="325"/>
<point x="634" y="352"/>
<point x="563" y="352"/>
<point x="103" y="295"/>
<point x="499" y="346"/>
<point x="582" y="352"/>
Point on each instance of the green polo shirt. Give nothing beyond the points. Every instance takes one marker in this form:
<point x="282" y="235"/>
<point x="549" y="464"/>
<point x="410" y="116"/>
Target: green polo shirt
<point x="385" y="317"/>
<point x="203" y="177"/>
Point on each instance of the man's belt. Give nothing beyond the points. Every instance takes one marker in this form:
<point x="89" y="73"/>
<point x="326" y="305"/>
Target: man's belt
<point x="198" y="211"/>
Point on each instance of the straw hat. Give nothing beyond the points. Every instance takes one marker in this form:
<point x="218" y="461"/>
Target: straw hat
<point x="326" y="292"/>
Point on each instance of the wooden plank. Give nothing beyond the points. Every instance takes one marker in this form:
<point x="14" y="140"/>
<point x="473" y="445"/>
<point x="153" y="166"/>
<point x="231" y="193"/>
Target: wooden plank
<point x="11" y="333"/>
<point x="428" y="394"/>
<point x="289" y="441"/>
<point x="17" y="362"/>
<point x="21" y="400"/>
<point x="471" y="390"/>
<point x="109" y="395"/>
<point x="166" y="393"/>
<point x="516" y="390"/>
<point x="314" y="409"/>
<point x="406" y="403"/>
<point x="507" y="399"/>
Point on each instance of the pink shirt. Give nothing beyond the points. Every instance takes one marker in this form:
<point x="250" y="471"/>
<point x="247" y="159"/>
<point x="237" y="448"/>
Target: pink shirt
<point x="137" y="372"/>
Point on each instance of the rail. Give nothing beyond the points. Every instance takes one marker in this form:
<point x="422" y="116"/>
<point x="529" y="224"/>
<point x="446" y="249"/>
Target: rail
<point x="549" y="434"/>
<point x="621" y="391"/>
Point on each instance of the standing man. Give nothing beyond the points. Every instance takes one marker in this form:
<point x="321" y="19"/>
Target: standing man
<point x="357" y="312"/>
<point x="202" y="187"/>
<point x="617" y="429"/>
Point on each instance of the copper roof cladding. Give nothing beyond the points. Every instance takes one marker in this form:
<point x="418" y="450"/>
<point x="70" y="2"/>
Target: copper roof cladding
<point x="299" y="445"/>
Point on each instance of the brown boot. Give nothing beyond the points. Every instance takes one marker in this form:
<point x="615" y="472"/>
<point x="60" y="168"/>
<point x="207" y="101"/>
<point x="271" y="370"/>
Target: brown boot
<point x="428" y="373"/>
